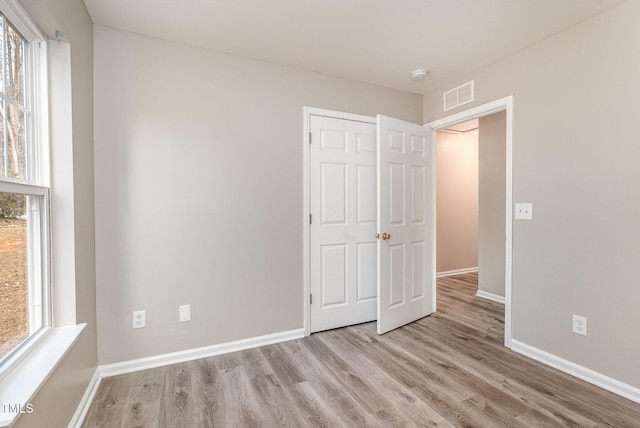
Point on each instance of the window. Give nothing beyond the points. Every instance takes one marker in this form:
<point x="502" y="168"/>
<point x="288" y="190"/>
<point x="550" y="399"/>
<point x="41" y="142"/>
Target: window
<point x="34" y="75"/>
<point x="24" y="193"/>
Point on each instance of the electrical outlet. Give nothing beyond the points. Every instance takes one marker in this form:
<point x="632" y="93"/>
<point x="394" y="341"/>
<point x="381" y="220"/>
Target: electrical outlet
<point x="184" y="313"/>
<point x="139" y="319"/>
<point x="580" y="325"/>
<point x="524" y="211"/>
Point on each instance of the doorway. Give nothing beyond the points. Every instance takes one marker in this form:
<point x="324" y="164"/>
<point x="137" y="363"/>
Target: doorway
<point x="343" y="254"/>
<point x="353" y="214"/>
<point x="471" y="200"/>
<point x="501" y="244"/>
<point x="457" y="199"/>
<point x="407" y="138"/>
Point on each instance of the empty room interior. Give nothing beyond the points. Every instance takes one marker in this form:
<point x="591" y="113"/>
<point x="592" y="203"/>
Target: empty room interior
<point x="319" y="213"/>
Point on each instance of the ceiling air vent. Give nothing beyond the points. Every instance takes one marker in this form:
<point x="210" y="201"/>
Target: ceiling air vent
<point x="455" y="97"/>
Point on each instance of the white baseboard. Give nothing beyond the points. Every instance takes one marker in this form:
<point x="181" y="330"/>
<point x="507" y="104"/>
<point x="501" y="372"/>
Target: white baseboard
<point x="123" y="367"/>
<point x="598" y="379"/>
<point x="87" y="398"/>
<point x="490" y="296"/>
<point x="456" y="272"/>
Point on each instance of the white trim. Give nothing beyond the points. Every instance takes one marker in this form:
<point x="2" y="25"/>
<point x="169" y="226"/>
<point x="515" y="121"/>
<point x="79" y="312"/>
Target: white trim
<point x="487" y="109"/>
<point x="456" y="272"/>
<point x="23" y="188"/>
<point x="307" y="112"/>
<point x="123" y="367"/>
<point x="22" y="381"/>
<point x="63" y="228"/>
<point x="87" y="399"/>
<point x="502" y="104"/>
<point x="593" y="377"/>
<point x="490" y="296"/>
<point x="433" y="155"/>
<point x="306" y="233"/>
<point x="313" y="111"/>
<point x="508" y="241"/>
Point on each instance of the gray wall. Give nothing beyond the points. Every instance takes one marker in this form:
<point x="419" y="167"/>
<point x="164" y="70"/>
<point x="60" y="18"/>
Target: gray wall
<point x="198" y="178"/>
<point x="491" y="218"/>
<point x="58" y="398"/>
<point x="457" y="204"/>
<point x="577" y="102"/>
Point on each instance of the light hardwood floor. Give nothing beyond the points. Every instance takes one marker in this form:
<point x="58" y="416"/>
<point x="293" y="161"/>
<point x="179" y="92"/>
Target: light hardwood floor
<point x="449" y="369"/>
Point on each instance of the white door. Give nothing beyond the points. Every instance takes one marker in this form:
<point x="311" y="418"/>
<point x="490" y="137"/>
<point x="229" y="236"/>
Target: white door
<point x="343" y="225"/>
<point x="406" y="223"/>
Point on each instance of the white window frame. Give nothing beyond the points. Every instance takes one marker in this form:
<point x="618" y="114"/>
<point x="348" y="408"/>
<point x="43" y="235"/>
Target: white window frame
<point x="29" y="366"/>
<point x="36" y="182"/>
<point x="35" y="93"/>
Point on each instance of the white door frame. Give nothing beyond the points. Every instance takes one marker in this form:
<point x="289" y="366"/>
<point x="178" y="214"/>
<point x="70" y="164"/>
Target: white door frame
<point x="306" y="201"/>
<point x="503" y="104"/>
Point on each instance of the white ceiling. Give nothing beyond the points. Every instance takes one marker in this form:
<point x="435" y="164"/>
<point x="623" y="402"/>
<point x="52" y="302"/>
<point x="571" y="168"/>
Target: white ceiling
<point x="375" y="41"/>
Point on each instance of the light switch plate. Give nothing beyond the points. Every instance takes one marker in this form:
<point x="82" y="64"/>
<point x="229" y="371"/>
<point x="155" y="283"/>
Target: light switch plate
<point x="184" y="313"/>
<point x="524" y="211"/>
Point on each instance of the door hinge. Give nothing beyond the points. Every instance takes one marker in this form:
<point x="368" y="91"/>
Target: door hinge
<point x="310" y="137"/>
<point x="310" y="219"/>
<point x="311" y="299"/>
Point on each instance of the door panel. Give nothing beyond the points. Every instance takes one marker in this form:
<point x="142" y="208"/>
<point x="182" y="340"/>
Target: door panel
<point x="418" y="284"/>
<point x="333" y="188"/>
<point x="367" y="253"/>
<point x="396" y="275"/>
<point x="366" y="206"/>
<point x="343" y="197"/>
<point x="417" y="198"/>
<point x="396" y="193"/>
<point x="366" y="143"/>
<point x="406" y="202"/>
<point x="333" y="263"/>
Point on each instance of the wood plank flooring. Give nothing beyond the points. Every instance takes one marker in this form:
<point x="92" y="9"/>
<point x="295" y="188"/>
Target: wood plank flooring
<point x="449" y="369"/>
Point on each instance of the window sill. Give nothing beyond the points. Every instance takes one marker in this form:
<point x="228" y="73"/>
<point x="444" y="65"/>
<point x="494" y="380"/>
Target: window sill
<point x="31" y="370"/>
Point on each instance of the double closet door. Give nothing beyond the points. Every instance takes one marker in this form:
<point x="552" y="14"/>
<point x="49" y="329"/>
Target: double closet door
<point x="372" y="230"/>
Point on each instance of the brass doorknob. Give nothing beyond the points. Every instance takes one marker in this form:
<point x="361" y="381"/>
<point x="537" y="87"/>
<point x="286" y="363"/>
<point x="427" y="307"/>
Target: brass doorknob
<point x="377" y="236"/>
<point x="385" y="236"/>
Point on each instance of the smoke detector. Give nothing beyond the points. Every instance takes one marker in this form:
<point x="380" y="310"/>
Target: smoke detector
<point x="419" y="74"/>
